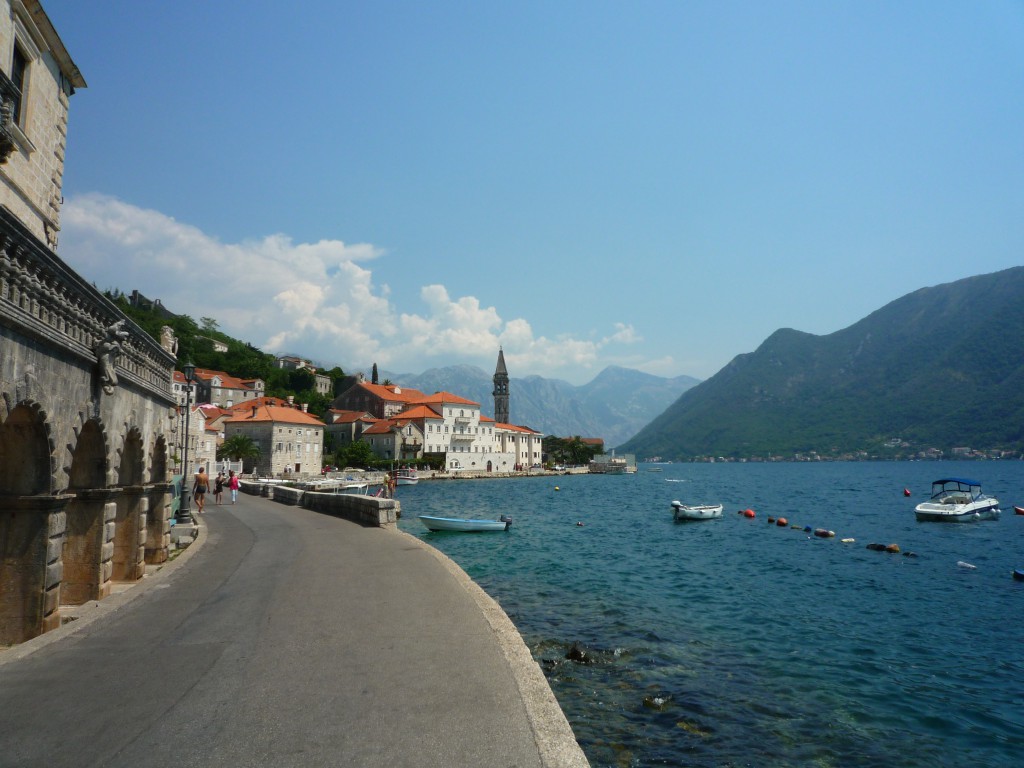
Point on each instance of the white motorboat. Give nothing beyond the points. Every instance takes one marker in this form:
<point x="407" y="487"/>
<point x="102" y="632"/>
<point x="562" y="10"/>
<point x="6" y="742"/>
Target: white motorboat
<point x="463" y="524"/>
<point x="682" y="511"/>
<point x="957" y="500"/>
<point x="405" y="476"/>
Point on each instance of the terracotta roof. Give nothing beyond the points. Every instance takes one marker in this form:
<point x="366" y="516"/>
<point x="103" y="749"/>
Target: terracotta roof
<point x="214" y="412"/>
<point x="274" y="414"/>
<point x="348" y="417"/>
<point x="516" y="428"/>
<point x="388" y="392"/>
<point x="444" y="397"/>
<point x="275" y="401"/>
<point x="227" y="380"/>
<point x="419" y="412"/>
<point x="381" y="427"/>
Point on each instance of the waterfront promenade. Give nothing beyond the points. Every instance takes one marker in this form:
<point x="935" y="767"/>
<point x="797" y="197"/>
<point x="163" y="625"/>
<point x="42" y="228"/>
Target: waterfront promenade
<point x="288" y="638"/>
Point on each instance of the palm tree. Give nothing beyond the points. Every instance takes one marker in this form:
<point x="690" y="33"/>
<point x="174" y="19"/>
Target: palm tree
<point x="238" y="448"/>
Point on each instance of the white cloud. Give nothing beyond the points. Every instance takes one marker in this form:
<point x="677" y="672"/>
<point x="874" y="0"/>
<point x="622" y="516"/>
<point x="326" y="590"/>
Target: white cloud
<point x="315" y="299"/>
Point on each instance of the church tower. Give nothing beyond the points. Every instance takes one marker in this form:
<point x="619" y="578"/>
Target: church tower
<point x="501" y="390"/>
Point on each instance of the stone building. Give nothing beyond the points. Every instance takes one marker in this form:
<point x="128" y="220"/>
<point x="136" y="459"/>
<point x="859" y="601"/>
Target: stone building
<point x="380" y="400"/>
<point x="225" y="390"/>
<point x="395" y="439"/>
<point x="291" y="441"/>
<point x="87" y="417"/>
<point x="346" y="427"/>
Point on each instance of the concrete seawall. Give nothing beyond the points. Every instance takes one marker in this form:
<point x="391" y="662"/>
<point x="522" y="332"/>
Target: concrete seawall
<point x="365" y="510"/>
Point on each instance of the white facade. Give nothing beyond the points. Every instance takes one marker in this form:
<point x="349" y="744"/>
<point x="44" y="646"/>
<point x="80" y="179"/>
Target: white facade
<point x="453" y="426"/>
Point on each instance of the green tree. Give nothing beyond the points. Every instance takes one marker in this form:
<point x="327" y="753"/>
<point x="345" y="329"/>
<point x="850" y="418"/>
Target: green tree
<point x="239" y="448"/>
<point x="357" y="454"/>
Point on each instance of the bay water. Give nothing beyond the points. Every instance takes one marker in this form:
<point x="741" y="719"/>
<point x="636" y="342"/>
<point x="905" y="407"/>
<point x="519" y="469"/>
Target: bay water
<point x="735" y="642"/>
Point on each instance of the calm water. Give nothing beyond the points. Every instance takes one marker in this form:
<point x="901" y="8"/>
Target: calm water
<point x="738" y="643"/>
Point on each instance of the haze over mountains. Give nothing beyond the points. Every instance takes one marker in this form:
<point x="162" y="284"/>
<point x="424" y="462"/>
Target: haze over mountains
<point x="942" y="367"/>
<point x="614" y="406"/>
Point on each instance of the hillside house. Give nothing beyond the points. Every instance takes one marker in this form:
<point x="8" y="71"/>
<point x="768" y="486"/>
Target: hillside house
<point x="225" y="390"/>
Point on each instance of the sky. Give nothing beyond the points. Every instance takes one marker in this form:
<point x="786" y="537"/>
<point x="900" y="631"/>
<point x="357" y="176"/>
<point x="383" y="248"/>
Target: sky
<point x="653" y="185"/>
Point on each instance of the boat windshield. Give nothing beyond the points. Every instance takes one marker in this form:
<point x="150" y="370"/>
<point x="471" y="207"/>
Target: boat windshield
<point x="957" y="487"/>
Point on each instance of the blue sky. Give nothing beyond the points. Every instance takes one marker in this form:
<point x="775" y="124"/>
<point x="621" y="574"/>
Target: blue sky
<point x="657" y="185"/>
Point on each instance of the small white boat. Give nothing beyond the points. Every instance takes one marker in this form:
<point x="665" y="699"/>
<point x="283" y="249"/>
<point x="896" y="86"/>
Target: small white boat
<point x="682" y="511"/>
<point x="462" y="524"/>
<point x="405" y="476"/>
<point x="957" y="500"/>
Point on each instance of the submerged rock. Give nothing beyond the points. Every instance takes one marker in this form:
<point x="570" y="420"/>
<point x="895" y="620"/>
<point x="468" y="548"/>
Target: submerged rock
<point x="579" y="654"/>
<point x="657" y="702"/>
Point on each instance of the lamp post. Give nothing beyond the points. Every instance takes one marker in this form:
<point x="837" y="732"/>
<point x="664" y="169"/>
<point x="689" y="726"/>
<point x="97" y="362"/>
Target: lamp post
<point x="184" y="510"/>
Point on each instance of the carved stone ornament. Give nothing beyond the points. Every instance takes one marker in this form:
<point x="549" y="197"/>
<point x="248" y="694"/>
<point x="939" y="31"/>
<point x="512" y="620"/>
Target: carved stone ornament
<point x="107" y="352"/>
<point x="168" y="340"/>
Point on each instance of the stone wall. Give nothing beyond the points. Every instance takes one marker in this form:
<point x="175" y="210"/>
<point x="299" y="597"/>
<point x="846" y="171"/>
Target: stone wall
<point x="87" y="420"/>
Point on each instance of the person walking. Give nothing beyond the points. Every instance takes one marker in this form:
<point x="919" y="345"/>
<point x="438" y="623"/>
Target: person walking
<point x="199" y="488"/>
<point x="218" y="488"/>
<point x="233" y="485"/>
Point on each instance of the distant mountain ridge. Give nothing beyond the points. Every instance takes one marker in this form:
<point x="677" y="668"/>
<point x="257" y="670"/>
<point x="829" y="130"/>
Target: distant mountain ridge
<point x="941" y="367"/>
<point x="614" y="406"/>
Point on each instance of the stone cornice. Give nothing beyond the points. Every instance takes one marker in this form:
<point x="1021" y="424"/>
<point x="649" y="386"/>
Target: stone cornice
<point x="43" y="298"/>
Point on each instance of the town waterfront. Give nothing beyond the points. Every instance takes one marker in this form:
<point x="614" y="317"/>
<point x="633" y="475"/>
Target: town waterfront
<point x="734" y="642"/>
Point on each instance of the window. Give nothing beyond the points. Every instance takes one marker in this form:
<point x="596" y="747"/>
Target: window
<point x="19" y="72"/>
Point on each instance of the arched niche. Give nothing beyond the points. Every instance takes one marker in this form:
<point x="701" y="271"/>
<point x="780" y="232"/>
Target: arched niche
<point x="25" y="466"/>
<point x="89" y="460"/>
<point x="158" y="466"/>
<point x="130" y="471"/>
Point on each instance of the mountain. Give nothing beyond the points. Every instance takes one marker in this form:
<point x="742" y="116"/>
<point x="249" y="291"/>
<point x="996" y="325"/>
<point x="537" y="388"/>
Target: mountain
<point x="613" y="406"/>
<point x="942" y="367"/>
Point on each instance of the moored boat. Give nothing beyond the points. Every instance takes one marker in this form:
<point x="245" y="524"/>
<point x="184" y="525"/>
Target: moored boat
<point x="405" y="476"/>
<point x="957" y="500"/>
<point x="465" y="525"/>
<point x="682" y="511"/>
<point x="1018" y="510"/>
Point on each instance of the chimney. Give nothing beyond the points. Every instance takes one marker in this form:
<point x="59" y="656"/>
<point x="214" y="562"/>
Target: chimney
<point x="255" y="408"/>
<point x="305" y="407"/>
<point x="291" y="399"/>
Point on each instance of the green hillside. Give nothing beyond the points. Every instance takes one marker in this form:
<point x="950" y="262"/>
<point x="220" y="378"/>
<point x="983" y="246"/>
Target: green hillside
<point x="940" y="368"/>
<point x="195" y="344"/>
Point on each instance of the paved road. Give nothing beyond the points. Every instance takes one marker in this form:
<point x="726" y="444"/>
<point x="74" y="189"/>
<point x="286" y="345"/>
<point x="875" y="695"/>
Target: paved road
<point x="285" y="638"/>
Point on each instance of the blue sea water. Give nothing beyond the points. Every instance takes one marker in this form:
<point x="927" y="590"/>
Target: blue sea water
<point x="734" y="642"/>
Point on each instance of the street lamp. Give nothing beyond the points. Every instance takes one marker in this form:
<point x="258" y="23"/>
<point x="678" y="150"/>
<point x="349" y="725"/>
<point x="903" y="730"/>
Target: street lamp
<point x="184" y="510"/>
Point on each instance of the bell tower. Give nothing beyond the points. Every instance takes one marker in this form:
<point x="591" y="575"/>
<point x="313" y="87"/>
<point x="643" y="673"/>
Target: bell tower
<point x="501" y="390"/>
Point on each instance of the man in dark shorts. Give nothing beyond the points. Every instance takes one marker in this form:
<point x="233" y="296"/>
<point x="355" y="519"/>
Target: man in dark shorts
<point x="199" y="488"/>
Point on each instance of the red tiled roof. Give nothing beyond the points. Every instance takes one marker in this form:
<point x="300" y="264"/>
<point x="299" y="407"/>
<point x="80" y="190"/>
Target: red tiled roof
<point x="227" y="380"/>
<point x="348" y="417"/>
<point x="274" y="414"/>
<point x="419" y="412"/>
<point x="387" y="392"/>
<point x="444" y="397"/>
<point x="279" y="402"/>
<point x="516" y="428"/>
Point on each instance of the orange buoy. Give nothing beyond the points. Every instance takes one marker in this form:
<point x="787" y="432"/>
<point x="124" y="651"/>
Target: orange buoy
<point x="781" y="522"/>
<point x="748" y="513"/>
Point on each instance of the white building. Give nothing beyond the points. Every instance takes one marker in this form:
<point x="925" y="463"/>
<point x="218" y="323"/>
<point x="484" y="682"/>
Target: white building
<point x="447" y="424"/>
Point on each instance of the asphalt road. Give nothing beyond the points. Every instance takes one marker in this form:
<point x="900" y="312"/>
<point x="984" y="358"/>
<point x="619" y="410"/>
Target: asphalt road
<point x="285" y="638"/>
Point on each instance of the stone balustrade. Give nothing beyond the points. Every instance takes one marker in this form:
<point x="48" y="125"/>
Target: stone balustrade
<point x="48" y="301"/>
